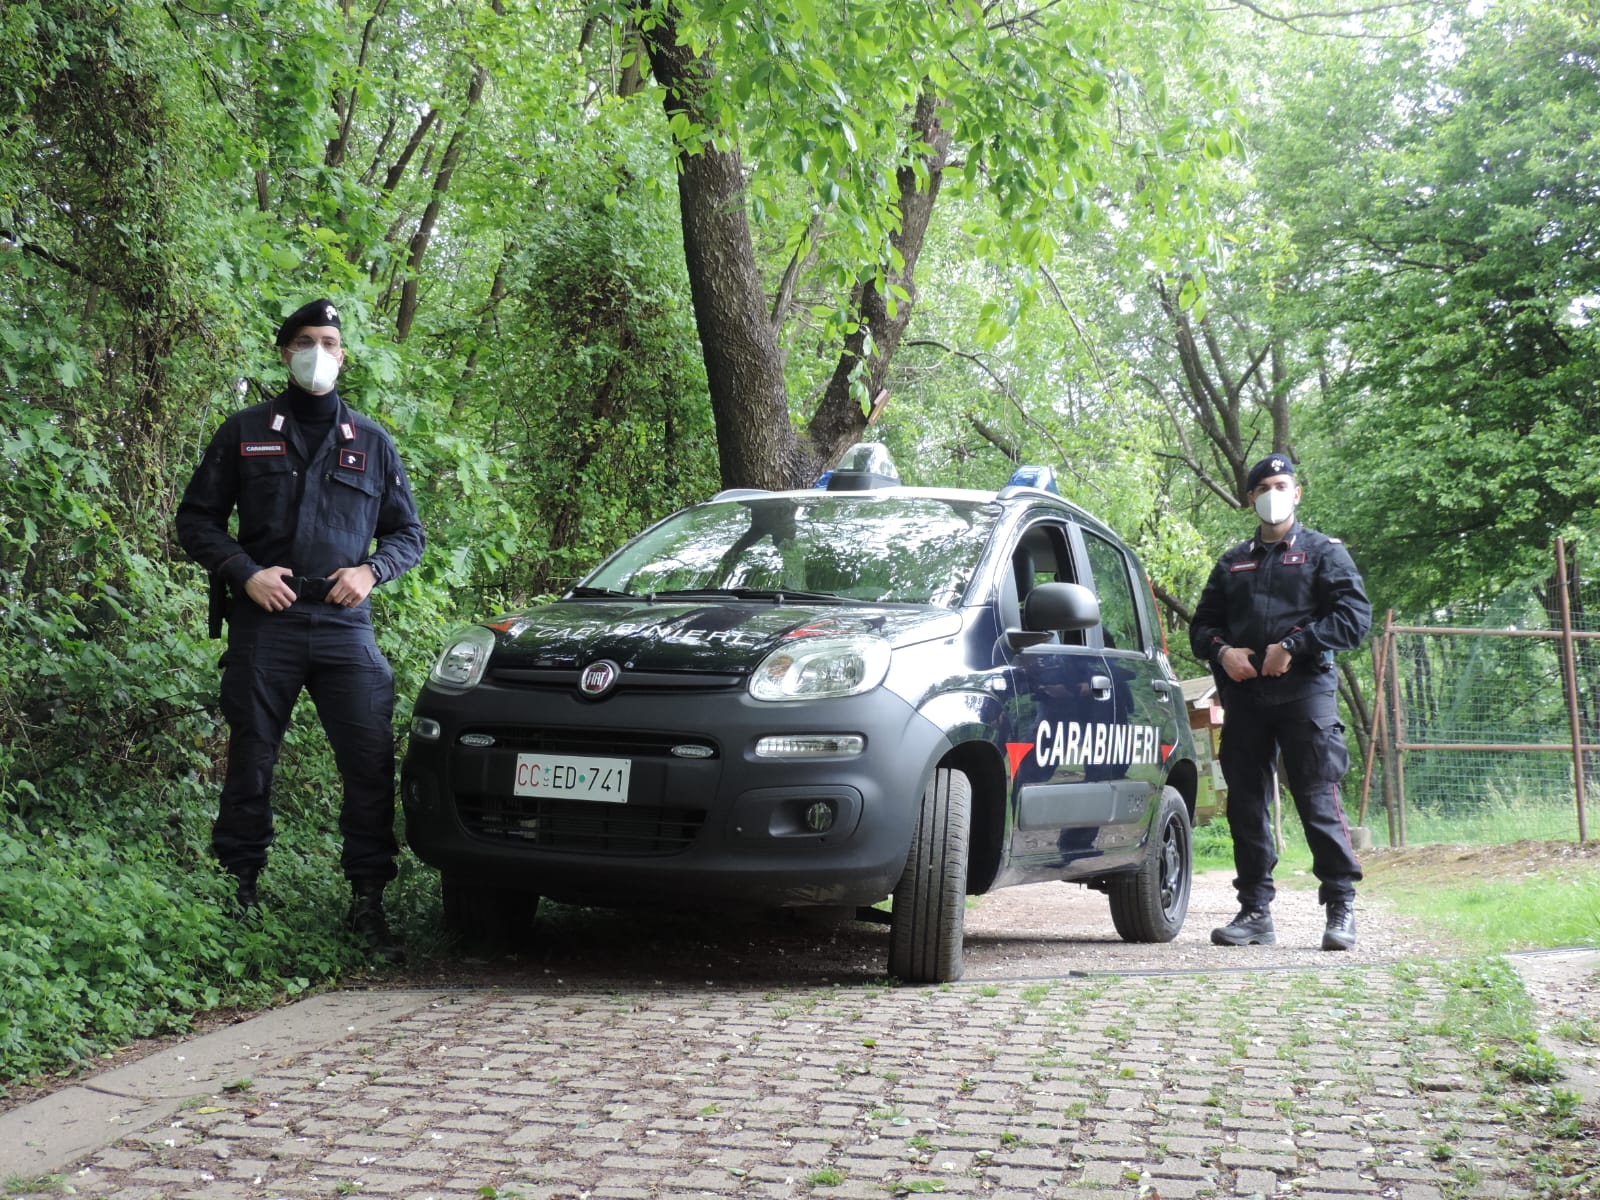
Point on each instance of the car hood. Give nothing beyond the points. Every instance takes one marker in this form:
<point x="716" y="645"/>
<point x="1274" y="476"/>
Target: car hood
<point x="722" y="636"/>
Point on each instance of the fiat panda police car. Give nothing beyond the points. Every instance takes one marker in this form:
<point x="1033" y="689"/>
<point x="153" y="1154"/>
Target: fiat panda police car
<point x="819" y="698"/>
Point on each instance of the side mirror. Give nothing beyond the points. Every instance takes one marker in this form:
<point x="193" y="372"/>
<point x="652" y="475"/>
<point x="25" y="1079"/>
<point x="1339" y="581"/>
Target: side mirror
<point x="1060" y="608"/>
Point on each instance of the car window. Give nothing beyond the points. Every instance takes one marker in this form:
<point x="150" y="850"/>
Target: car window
<point x="1113" y="580"/>
<point x="1043" y="554"/>
<point x="913" y="550"/>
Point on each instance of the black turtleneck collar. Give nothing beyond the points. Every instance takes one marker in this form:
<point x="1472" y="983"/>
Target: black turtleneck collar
<point x="309" y="409"/>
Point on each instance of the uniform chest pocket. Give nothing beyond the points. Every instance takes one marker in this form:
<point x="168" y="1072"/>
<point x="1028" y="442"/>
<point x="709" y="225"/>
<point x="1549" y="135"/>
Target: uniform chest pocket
<point x="350" y="500"/>
<point x="269" y="491"/>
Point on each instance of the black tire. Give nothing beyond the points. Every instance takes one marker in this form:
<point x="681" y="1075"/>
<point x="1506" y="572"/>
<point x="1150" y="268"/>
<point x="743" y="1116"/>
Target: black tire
<point x="930" y="901"/>
<point x="487" y="918"/>
<point x="1150" y="905"/>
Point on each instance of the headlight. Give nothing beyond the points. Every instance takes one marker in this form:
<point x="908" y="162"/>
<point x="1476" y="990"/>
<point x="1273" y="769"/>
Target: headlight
<point x="822" y="668"/>
<point x="460" y="665"/>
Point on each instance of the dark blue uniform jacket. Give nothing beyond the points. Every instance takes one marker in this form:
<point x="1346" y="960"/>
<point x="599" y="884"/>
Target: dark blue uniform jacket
<point x="310" y="508"/>
<point x="1304" y="588"/>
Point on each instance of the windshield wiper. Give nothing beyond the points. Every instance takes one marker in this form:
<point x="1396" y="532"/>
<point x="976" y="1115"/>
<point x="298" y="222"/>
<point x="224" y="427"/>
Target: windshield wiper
<point x="594" y="593"/>
<point x="777" y="595"/>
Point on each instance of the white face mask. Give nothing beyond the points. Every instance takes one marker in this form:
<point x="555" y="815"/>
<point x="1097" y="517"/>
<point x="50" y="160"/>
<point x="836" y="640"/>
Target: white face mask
<point x="1275" y="505"/>
<point x="314" y="369"/>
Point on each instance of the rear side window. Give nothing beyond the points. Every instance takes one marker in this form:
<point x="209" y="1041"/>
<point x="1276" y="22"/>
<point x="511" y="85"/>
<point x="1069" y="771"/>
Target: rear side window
<point x="1113" y="581"/>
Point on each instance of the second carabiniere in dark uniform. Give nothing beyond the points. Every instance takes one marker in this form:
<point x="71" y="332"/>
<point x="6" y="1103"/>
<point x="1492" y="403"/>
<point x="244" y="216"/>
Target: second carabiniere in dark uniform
<point x="324" y="514"/>
<point x="1273" y="613"/>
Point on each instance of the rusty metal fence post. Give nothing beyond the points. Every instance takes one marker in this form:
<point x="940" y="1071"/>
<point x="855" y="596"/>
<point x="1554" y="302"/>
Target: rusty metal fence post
<point x="1569" y="668"/>
<point x="1395" y="768"/>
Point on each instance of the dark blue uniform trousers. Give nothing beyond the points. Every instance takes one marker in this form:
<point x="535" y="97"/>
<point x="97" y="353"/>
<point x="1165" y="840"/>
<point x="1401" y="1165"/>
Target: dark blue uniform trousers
<point x="1311" y="736"/>
<point x="331" y="653"/>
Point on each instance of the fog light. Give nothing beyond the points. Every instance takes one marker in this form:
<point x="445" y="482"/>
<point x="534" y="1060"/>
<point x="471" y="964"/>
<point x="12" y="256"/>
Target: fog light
<point x="418" y="794"/>
<point x="810" y="745"/>
<point x="819" y="817"/>
<point x="426" y="728"/>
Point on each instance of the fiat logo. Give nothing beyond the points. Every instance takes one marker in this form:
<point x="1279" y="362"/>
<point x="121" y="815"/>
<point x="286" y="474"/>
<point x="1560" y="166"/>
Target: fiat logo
<point x="598" y="678"/>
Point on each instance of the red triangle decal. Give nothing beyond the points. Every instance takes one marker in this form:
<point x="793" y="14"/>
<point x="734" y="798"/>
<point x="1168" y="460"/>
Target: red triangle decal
<point x="1016" y="752"/>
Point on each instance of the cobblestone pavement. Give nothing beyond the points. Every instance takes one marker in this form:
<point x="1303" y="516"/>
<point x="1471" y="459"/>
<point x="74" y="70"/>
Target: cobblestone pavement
<point x="1326" y="1083"/>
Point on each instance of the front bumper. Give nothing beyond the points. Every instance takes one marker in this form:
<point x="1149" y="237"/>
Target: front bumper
<point x="726" y="826"/>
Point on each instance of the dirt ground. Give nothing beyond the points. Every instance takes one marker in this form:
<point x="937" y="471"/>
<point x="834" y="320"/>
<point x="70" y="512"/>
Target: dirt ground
<point x="1043" y="930"/>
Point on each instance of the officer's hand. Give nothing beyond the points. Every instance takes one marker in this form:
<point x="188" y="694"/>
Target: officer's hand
<point x="351" y="585"/>
<point x="268" y="589"/>
<point x="1278" y="660"/>
<point x="1236" y="662"/>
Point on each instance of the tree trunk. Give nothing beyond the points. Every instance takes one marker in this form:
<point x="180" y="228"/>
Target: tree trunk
<point x="756" y="443"/>
<point x="409" y="290"/>
<point x="839" y="419"/>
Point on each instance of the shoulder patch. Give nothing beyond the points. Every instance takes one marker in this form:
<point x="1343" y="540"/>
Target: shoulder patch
<point x="1337" y="541"/>
<point x="251" y="449"/>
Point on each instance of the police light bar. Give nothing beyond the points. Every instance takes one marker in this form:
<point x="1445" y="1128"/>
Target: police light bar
<point x="1043" y="478"/>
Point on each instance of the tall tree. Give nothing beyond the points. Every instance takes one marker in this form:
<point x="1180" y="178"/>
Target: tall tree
<point x="1469" y="424"/>
<point x="844" y="127"/>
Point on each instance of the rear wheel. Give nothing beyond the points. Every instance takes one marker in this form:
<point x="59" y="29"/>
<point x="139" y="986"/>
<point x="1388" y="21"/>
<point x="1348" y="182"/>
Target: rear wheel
<point x="1150" y="905"/>
<point x="926" y="928"/>
<point x="487" y="917"/>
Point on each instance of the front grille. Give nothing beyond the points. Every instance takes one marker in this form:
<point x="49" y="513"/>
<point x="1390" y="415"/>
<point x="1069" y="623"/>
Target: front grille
<point x="580" y="827"/>
<point x="565" y="679"/>
<point x="618" y="742"/>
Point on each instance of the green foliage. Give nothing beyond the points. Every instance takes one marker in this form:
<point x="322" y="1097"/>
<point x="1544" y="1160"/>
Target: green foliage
<point x="103" y="940"/>
<point x="1213" y="846"/>
<point x="1467" y="427"/>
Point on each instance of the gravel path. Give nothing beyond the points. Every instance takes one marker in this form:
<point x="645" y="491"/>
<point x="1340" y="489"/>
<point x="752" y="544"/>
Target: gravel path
<point x="1044" y="930"/>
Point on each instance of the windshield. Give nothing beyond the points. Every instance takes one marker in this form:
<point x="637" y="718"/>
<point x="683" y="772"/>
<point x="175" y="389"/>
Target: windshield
<point x="897" y="550"/>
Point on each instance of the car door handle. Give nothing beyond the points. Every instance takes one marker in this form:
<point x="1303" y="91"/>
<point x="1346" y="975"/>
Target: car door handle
<point x="1162" y="688"/>
<point x="1101" y="686"/>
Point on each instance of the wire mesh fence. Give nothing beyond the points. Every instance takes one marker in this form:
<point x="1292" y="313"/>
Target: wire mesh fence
<point x="1487" y="725"/>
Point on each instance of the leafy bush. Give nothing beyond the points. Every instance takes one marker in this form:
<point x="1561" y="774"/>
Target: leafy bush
<point x="115" y="921"/>
<point x="1213" y="845"/>
<point x="102" y="942"/>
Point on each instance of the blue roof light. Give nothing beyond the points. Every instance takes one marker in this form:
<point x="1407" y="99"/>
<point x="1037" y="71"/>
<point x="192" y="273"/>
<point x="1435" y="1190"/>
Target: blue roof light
<point x="864" y="466"/>
<point x="1035" y="477"/>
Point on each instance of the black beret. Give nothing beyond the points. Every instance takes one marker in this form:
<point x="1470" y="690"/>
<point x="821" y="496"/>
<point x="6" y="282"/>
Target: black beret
<point x="318" y="312"/>
<point x="1273" y="464"/>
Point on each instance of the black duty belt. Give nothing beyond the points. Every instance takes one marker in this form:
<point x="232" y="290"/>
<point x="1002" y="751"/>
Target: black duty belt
<point x="311" y="590"/>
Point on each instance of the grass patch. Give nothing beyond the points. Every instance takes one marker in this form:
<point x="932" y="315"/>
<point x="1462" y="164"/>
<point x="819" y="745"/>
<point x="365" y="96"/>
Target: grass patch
<point x="1494" y="900"/>
<point x="1496" y="917"/>
<point x="1487" y="898"/>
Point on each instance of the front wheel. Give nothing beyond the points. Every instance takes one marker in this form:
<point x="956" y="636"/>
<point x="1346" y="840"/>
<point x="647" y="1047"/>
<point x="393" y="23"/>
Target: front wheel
<point x="927" y="925"/>
<point x="1150" y="905"/>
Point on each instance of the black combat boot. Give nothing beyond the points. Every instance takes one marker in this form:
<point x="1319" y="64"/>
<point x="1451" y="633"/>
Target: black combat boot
<point x="1340" y="933"/>
<point x="367" y="920"/>
<point x="1252" y="927"/>
<point x="246" y="898"/>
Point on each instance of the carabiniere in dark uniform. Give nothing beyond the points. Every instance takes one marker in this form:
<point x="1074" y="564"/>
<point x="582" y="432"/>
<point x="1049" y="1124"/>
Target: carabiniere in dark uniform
<point x="317" y="487"/>
<point x="1302" y="592"/>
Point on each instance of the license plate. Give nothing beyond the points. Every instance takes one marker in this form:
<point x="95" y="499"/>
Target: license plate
<point x="566" y="777"/>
